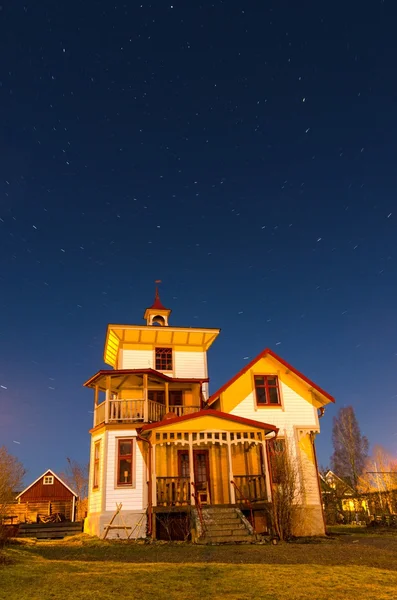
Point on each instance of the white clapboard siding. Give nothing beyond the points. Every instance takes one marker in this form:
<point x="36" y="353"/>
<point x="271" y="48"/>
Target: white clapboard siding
<point x="190" y="364"/>
<point x="297" y="411"/>
<point x="131" y="497"/>
<point x="136" y="359"/>
<point x="95" y="496"/>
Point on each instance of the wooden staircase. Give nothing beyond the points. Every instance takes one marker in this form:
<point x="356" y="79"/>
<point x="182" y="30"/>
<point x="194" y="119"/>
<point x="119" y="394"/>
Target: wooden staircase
<point x="225" y="526"/>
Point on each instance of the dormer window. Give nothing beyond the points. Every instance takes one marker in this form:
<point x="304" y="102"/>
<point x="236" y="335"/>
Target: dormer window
<point x="163" y="359"/>
<point x="48" y="480"/>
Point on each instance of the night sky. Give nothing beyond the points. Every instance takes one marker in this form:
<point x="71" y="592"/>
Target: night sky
<point x="242" y="152"/>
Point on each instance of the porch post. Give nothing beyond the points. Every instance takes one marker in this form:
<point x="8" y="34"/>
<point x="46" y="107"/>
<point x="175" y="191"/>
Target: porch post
<point x="267" y="472"/>
<point x="154" y="476"/>
<point x="167" y="397"/>
<point x="146" y="401"/>
<point x="107" y="399"/>
<point x="230" y="466"/>
<point x="191" y="468"/>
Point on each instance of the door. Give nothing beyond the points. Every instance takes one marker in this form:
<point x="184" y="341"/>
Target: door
<point x="201" y="467"/>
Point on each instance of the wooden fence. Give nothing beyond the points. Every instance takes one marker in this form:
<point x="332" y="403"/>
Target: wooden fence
<point x="27" y="512"/>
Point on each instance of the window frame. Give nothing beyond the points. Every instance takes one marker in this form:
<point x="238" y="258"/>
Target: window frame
<point x="271" y="451"/>
<point x="96" y="467"/>
<point x="266" y="387"/>
<point x="170" y="352"/>
<point x="50" y="477"/>
<point x="132" y="455"/>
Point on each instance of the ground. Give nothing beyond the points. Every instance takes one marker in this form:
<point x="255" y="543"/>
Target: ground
<point x="357" y="562"/>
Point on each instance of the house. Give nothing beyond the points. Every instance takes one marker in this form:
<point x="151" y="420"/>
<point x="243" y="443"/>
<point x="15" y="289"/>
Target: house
<point x="47" y="495"/>
<point x="170" y="452"/>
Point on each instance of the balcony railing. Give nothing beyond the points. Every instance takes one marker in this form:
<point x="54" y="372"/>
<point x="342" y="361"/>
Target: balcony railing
<point x="250" y="487"/>
<point x="180" y="410"/>
<point x="173" y="491"/>
<point x="133" y="411"/>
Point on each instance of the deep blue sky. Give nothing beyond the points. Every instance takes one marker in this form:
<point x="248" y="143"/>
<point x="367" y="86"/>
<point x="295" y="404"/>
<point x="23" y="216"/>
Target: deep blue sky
<point x="243" y="152"/>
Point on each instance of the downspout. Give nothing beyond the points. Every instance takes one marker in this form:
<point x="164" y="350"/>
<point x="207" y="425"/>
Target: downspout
<point x="312" y="439"/>
<point x="150" y="502"/>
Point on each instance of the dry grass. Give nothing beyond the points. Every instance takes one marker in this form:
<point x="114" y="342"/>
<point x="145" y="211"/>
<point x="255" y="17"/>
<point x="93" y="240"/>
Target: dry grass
<point x="84" y="567"/>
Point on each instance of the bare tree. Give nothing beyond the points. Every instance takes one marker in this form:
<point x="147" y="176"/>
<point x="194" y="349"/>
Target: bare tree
<point x="379" y="480"/>
<point x="350" y="447"/>
<point x="286" y="489"/>
<point x="11" y="476"/>
<point x="76" y="477"/>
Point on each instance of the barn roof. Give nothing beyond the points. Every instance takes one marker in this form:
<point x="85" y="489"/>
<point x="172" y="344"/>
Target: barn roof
<point x="48" y="472"/>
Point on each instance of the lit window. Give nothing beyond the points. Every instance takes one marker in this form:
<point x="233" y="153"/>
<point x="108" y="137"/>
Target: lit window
<point x="124" y="462"/>
<point x="267" y="392"/>
<point x="163" y="359"/>
<point x="97" y="454"/>
<point x="48" y="480"/>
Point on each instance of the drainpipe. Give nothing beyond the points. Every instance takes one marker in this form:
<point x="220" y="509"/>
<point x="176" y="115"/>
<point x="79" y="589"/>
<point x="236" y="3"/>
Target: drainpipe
<point x="150" y="503"/>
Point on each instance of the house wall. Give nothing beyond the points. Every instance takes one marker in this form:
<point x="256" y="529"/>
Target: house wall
<point x="186" y="363"/>
<point x="95" y="496"/>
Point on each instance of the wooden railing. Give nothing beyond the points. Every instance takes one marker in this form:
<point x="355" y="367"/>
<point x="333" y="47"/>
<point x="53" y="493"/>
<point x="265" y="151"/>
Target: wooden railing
<point x="241" y="499"/>
<point x="180" y="410"/>
<point x="156" y="411"/>
<point x="173" y="491"/>
<point x="251" y="487"/>
<point x="99" y="416"/>
<point x="199" y="507"/>
<point x="127" y="410"/>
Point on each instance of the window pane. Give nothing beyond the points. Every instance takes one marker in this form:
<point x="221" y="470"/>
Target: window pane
<point x="176" y="398"/>
<point x="260" y="395"/>
<point x="125" y="470"/>
<point x="259" y="380"/>
<point x="272" y="380"/>
<point x="273" y="395"/>
<point x="125" y="447"/>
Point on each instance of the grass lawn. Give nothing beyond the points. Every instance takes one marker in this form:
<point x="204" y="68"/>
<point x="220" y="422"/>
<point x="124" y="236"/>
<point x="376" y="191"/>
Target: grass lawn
<point x="339" y="568"/>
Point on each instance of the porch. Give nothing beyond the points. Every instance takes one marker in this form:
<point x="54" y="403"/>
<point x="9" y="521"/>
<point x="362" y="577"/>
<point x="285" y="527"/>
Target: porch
<point x="208" y="468"/>
<point x="142" y="396"/>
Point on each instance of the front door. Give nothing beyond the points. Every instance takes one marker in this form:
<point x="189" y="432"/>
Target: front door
<point x="201" y="469"/>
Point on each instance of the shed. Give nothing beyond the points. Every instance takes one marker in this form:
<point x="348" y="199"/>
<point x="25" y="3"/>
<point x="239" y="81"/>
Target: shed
<point x="47" y="495"/>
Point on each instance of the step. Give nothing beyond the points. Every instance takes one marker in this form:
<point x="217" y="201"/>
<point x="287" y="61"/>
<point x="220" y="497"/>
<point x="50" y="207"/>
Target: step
<point x="218" y="511"/>
<point x="226" y="533"/>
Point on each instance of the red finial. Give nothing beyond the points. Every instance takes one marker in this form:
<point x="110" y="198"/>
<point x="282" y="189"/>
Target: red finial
<point x="157" y="302"/>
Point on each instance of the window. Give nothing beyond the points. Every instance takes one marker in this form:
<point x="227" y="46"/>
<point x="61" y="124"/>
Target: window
<point x="176" y="398"/>
<point x="163" y="359"/>
<point x="48" y="480"/>
<point x="124" y="462"/>
<point x="157" y="396"/>
<point x="266" y="390"/>
<point x="276" y="451"/>
<point x="97" y="454"/>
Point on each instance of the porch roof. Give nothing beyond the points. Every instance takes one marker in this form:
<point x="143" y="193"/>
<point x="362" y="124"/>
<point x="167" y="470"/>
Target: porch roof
<point x="100" y="376"/>
<point x="215" y="415"/>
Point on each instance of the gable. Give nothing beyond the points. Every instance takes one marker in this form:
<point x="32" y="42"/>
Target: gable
<point x="267" y="363"/>
<point x="39" y="490"/>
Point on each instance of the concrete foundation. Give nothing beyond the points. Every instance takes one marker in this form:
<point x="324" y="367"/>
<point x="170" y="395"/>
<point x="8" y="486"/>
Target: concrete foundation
<point x="136" y="521"/>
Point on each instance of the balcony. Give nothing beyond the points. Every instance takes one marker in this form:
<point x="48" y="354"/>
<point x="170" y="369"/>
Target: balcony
<point x="137" y="411"/>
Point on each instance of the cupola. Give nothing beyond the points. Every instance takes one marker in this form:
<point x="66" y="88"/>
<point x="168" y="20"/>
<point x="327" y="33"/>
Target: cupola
<point x="157" y="314"/>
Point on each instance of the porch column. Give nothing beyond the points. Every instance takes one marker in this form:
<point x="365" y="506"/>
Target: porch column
<point x="267" y="472"/>
<point x="107" y="399"/>
<point x="154" y="476"/>
<point x="191" y="468"/>
<point x="146" y="401"/>
<point x="230" y="467"/>
<point x="167" y="397"/>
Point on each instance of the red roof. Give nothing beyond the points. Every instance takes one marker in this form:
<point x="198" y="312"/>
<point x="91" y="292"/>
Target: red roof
<point x="157" y="302"/>
<point x="262" y="354"/>
<point x="209" y="412"/>
<point x="118" y="372"/>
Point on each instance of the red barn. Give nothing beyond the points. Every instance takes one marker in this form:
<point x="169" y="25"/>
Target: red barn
<point x="47" y="496"/>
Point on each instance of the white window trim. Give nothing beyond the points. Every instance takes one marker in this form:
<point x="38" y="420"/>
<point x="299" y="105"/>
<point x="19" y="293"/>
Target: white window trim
<point x="50" y="478"/>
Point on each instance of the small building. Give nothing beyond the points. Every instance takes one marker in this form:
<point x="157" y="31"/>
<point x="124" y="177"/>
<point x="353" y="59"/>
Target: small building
<point x="162" y="445"/>
<point x="47" y="495"/>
